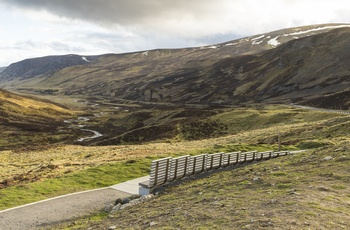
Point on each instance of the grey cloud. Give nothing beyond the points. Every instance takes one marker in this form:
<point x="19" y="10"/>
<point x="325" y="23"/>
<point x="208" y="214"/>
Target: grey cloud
<point x="55" y="46"/>
<point x="124" y="12"/>
<point x="21" y="45"/>
<point x="131" y="25"/>
<point x="218" y="38"/>
<point x="192" y="19"/>
<point x="62" y="47"/>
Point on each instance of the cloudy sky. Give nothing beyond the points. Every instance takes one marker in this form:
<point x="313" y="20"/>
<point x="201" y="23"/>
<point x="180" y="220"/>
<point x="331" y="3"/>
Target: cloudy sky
<point x="32" y="28"/>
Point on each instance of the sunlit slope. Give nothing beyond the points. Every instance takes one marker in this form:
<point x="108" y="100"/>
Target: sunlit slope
<point x="25" y="120"/>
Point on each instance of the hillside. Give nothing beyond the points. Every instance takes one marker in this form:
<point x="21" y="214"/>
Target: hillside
<point x="172" y="94"/>
<point x="296" y="187"/>
<point x="2" y="69"/>
<point x="289" y="65"/>
<point x="158" y="103"/>
<point x="42" y="66"/>
<point x="28" y="121"/>
<point x="303" y="191"/>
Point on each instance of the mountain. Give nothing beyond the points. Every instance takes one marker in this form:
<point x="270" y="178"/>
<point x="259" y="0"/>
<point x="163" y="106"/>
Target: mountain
<point x="290" y="65"/>
<point x="2" y="69"/>
<point x="43" y="66"/>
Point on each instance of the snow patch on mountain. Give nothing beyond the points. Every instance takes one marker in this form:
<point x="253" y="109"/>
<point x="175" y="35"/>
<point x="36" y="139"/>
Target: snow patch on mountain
<point x="274" y="42"/>
<point x="316" y="30"/>
<point x="258" y="40"/>
<point x="210" y="47"/>
<point x="85" y="59"/>
<point x="231" y="44"/>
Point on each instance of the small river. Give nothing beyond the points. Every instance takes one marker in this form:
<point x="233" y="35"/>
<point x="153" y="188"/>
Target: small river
<point x="94" y="135"/>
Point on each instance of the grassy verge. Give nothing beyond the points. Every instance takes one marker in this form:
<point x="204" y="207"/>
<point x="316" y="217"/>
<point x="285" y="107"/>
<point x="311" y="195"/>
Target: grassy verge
<point x="100" y="176"/>
<point x="91" y="178"/>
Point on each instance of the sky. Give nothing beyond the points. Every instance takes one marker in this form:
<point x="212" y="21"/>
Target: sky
<point x="35" y="28"/>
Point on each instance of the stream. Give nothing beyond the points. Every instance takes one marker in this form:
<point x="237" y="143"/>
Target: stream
<point x="81" y="127"/>
<point x="96" y="135"/>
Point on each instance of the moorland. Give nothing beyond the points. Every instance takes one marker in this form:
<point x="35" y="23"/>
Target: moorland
<point x="235" y="96"/>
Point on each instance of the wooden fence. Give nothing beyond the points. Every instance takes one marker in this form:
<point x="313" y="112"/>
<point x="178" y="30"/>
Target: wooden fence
<point x="169" y="169"/>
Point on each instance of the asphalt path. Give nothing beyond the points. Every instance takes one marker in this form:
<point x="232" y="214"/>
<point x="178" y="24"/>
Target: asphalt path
<point x="64" y="208"/>
<point x="44" y="213"/>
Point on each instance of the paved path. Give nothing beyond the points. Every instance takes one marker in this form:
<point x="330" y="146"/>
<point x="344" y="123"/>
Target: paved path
<point x="44" y="213"/>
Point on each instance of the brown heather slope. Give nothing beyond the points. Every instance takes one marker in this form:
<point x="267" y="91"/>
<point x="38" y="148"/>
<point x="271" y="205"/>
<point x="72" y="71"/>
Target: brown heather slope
<point x="28" y="121"/>
<point x="287" y="65"/>
<point x="168" y="94"/>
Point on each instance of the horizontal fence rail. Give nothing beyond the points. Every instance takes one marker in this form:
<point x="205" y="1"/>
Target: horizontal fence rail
<point x="170" y="169"/>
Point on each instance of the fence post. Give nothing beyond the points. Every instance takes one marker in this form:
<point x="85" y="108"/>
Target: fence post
<point x="279" y="141"/>
<point x="176" y="166"/>
<point x="221" y="160"/>
<point x="194" y="165"/>
<point x="185" y="169"/>
<point x="228" y="160"/>
<point x="167" y="171"/>
<point x="204" y="163"/>
<point x="156" y="173"/>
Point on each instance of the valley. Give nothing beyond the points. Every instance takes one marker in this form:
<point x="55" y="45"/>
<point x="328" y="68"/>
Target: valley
<point x="71" y="123"/>
<point x="304" y="63"/>
<point x="147" y="96"/>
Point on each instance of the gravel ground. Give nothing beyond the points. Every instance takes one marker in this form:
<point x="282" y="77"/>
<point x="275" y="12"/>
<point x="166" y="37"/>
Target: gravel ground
<point x="55" y="210"/>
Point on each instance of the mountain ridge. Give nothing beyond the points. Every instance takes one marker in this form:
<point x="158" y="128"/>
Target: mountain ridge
<point x="253" y="69"/>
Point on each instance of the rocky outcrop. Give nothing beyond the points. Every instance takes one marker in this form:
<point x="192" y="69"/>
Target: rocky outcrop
<point x="122" y="203"/>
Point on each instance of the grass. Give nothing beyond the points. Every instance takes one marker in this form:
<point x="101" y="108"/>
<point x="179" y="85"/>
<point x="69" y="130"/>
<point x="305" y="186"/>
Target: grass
<point x="54" y="181"/>
<point x="96" y="177"/>
<point x="287" y="195"/>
